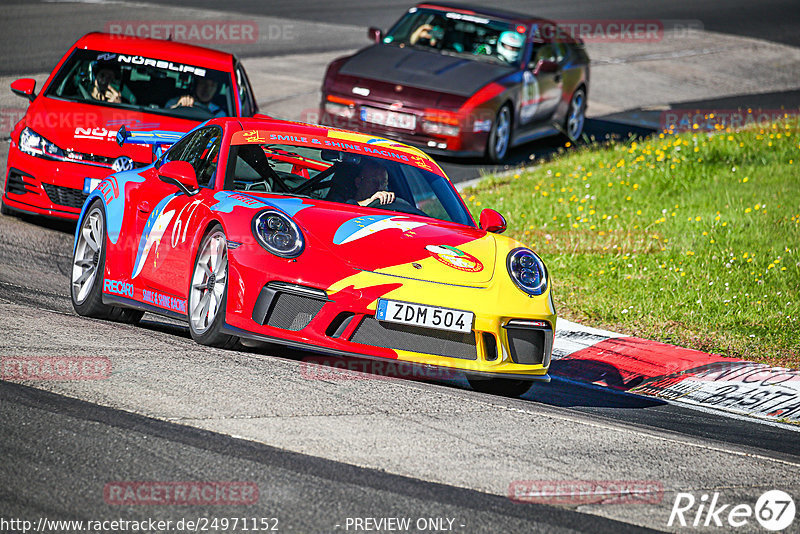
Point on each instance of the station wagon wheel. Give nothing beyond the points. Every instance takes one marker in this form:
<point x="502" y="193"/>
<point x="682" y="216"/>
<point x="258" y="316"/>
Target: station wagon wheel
<point x="576" y="115"/>
<point x="208" y="291"/>
<point x="500" y="135"/>
<point x="88" y="266"/>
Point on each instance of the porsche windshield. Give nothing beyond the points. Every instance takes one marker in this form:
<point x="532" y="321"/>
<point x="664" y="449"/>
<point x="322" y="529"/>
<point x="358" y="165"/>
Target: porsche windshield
<point x="457" y="33"/>
<point x="144" y="84"/>
<point x="343" y="177"/>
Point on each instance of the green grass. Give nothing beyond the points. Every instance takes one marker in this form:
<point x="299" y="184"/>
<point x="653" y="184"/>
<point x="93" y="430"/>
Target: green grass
<point x="690" y="239"/>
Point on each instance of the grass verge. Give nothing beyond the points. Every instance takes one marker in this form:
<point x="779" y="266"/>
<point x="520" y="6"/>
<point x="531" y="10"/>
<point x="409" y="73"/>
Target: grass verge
<point x="690" y="239"/>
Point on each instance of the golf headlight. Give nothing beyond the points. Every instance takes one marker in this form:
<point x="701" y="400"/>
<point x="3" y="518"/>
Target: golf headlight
<point x="279" y="234"/>
<point x="527" y="270"/>
<point x="34" y="144"/>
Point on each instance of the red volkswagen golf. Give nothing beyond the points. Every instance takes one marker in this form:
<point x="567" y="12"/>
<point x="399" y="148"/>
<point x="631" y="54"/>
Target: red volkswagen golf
<point x="65" y="144"/>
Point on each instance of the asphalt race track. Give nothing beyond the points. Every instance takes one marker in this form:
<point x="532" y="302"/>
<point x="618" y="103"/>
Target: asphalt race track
<point x="323" y="451"/>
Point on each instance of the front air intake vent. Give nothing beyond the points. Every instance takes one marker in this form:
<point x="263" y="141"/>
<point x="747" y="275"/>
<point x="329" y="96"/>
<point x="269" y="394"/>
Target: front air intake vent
<point x="288" y="306"/>
<point x="416" y="339"/>
<point x="65" y="196"/>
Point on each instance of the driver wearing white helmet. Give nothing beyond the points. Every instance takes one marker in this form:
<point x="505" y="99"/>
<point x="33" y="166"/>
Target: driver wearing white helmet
<point x="509" y="46"/>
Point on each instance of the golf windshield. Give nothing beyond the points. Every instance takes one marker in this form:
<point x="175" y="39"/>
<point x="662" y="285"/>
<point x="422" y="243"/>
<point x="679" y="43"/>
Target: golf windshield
<point x="139" y="83"/>
<point x="344" y="177"/>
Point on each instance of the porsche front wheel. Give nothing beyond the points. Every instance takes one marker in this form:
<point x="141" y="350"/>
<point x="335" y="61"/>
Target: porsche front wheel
<point x="208" y="291"/>
<point x="88" y="267"/>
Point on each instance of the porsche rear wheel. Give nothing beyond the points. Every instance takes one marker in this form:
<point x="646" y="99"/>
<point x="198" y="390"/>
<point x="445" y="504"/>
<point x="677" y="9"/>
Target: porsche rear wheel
<point x="88" y="267"/>
<point x="507" y="387"/>
<point x="208" y="291"/>
<point x="500" y="135"/>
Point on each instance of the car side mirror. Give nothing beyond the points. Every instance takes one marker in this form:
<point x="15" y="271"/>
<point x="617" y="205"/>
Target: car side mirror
<point x="375" y="34"/>
<point x="491" y="221"/>
<point x="545" y="66"/>
<point x="180" y="174"/>
<point x="24" y="87"/>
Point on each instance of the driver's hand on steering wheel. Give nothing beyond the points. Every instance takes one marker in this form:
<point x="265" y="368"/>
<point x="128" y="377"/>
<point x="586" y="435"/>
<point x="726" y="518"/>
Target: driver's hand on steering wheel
<point x="184" y="101"/>
<point x="385" y="197"/>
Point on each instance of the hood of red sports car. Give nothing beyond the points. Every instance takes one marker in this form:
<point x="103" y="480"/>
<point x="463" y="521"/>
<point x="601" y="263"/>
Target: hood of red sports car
<point x="424" y="69"/>
<point x="403" y="245"/>
<point x="92" y="129"/>
<point x="394" y="243"/>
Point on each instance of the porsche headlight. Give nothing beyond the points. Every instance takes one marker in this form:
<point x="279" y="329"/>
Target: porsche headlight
<point x="34" y="144"/>
<point x="279" y="234"/>
<point x="527" y="270"/>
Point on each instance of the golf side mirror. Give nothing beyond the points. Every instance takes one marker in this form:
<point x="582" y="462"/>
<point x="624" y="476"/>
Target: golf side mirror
<point x="24" y="87"/>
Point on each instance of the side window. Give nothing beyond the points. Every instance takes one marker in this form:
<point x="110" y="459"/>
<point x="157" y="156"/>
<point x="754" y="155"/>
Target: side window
<point x="545" y="52"/>
<point x="175" y="152"/>
<point x="201" y="149"/>
<point x="561" y="51"/>
<point x="248" y="106"/>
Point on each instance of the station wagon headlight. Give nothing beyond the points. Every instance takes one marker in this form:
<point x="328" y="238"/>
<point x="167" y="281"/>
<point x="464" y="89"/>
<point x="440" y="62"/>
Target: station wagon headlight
<point x="279" y="234"/>
<point x="527" y="270"/>
<point x="34" y="144"/>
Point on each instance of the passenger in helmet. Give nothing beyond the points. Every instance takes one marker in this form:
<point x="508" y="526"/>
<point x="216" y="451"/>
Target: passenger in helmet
<point x="509" y="46"/>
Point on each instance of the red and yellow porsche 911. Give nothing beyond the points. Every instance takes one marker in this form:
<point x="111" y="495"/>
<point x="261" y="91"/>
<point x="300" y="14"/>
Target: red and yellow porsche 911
<point x="319" y="239"/>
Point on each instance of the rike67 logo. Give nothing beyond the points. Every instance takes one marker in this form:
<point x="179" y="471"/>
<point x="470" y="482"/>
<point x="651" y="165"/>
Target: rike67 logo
<point x="774" y="511"/>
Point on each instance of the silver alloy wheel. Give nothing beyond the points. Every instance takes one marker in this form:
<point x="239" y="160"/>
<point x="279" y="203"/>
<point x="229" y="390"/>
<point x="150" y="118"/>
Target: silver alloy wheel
<point x="576" y="118"/>
<point x="502" y="132"/>
<point x="87" y="254"/>
<point x="208" y="282"/>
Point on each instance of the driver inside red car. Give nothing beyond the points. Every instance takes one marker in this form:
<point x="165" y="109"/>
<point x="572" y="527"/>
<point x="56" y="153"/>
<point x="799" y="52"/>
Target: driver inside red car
<point x="361" y="185"/>
<point x="372" y="184"/>
<point x="105" y="86"/>
<point x="204" y="90"/>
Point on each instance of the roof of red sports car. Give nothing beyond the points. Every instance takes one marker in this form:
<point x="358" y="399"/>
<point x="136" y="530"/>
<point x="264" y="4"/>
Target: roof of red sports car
<point x="156" y="48"/>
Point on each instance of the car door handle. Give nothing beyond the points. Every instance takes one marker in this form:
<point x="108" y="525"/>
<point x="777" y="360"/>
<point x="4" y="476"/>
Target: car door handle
<point x="558" y="77"/>
<point x="144" y="207"/>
